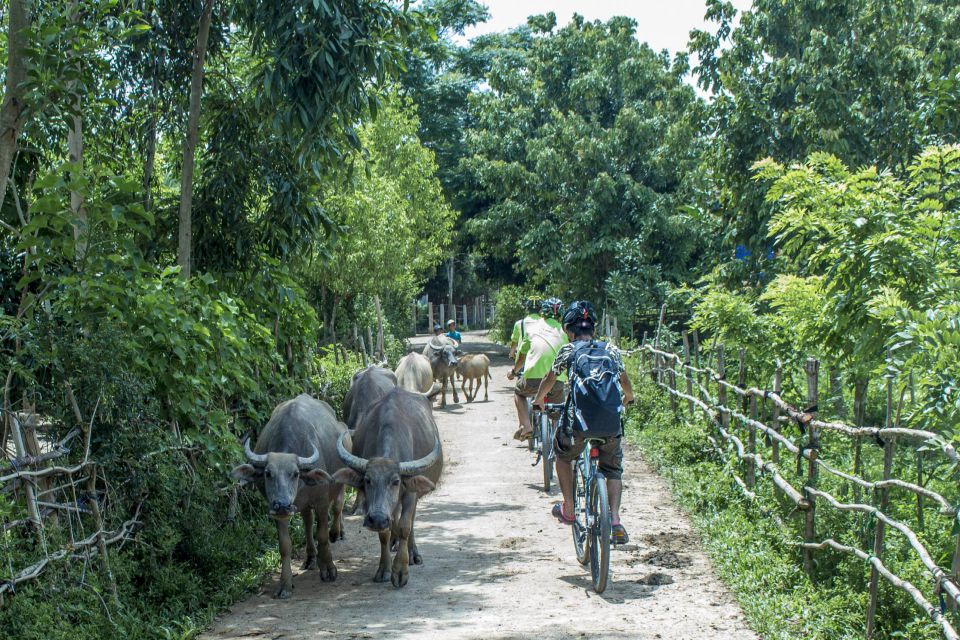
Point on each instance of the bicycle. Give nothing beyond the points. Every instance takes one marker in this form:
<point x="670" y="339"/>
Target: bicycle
<point x="592" y="523"/>
<point x="544" y="428"/>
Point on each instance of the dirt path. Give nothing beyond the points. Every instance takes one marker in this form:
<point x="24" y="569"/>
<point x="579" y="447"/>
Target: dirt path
<point x="496" y="565"/>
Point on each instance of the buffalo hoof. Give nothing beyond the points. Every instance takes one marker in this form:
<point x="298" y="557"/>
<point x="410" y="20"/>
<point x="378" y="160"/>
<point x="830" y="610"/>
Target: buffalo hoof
<point x="337" y="534"/>
<point x="328" y="574"/>
<point x="415" y="556"/>
<point x="310" y="563"/>
<point x="399" y="578"/>
<point x="382" y="575"/>
<point x="283" y="592"/>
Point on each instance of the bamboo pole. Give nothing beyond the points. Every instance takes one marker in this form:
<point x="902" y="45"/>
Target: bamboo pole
<point x="883" y="495"/>
<point x="686" y="370"/>
<point x="812" y="368"/>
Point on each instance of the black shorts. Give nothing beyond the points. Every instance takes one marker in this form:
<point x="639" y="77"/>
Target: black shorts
<point x="611" y="453"/>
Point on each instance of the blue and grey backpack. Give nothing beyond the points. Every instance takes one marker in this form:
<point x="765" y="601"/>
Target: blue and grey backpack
<point x="595" y="397"/>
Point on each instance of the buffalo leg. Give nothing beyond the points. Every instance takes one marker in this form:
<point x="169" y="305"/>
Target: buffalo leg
<point x="443" y="393"/>
<point x="328" y="571"/>
<point x="336" y="524"/>
<point x="486" y="379"/>
<point x="311" y="561"/>
<point x="401" y="561"/>
<point x="453" y="387"/>
<point x="286" y="547"/>
<point x="415" y="556"/>
<point x="463" y="387"/>
<point x="383" y="571"/>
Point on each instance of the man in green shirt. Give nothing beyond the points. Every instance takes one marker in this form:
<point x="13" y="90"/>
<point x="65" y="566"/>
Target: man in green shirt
<point x="520" y="326"/>
<point x="536" y="351"/>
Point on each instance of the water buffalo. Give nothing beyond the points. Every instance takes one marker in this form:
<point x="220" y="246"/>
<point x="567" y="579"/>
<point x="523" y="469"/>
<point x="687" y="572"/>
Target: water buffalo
<point x="395" y="459"/>
<point x="414" y="373"/>
<point x="474" y="368"/>
<point x="291" y="465"/>
<point x="442" y="353"/>
<point x="366" y="389"/>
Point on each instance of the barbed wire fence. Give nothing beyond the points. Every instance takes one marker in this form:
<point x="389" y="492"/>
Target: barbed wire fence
<point x="734" y="411"/>
<point x="56" y="506"/>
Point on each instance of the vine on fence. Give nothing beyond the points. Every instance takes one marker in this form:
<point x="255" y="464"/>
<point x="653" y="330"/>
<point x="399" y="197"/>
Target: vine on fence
<point x="733" y="410"/>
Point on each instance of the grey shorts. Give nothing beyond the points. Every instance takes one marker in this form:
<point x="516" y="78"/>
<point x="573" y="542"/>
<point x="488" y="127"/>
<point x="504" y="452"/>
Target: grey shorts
<point x="611" y="453"/>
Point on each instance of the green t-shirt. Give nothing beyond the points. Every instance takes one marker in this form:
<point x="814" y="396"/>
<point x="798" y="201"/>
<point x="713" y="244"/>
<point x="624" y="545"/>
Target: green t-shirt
<point x="518" y="332"/>
<point x="540" y="343"/>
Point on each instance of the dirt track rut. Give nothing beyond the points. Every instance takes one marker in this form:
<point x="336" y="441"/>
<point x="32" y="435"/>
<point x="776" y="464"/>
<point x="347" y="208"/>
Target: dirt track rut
<point x="496" y="565"/>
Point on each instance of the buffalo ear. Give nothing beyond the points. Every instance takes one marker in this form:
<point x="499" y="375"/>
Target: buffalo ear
<point x="246" y="472"/>
<point x="313" y="476"/>
<point x="420" y="484"/>
<point x="347" y="476"/>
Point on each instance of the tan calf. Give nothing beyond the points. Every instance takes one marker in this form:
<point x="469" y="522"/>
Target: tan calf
<point x="474" y="368"/>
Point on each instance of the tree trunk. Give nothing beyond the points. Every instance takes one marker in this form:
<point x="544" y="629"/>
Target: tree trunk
<point x="75" y="148"/>
<point x="453" y="312"/>
<point x="11" y="113"/>
<point x="185" y="231"/>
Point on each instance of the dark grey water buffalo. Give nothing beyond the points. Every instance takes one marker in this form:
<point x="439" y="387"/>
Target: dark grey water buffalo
<point x="396" y="459"/>
<point x="292" y="465"/>
<point x="414" y="373"/>
<point x="441" y="351"/>
<point x="366" y="389"/>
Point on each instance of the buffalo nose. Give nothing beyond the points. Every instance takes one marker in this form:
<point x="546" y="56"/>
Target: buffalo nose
<point x="281" y="508"/>
<point x="376" y="521"/>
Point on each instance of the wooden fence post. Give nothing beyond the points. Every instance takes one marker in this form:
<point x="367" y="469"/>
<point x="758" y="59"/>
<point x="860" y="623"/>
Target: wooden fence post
<point x="98" y="523"/>
<point x="752" y="467"/>
<point x="775" y="419"/>
<point x="812" y="368"/>
<point x="696" y="362"/>
<point x="859" y="409"/>
<point x="742" y="376"/>
<point x="363" y="352"/>
<point x="881" y="496"/>
<point x="686" y="371"/>
<point x="33" y="513"/>
<point x="721" y="389"/>
<point x="672" y="381"/>
<point x="413" y="318"/>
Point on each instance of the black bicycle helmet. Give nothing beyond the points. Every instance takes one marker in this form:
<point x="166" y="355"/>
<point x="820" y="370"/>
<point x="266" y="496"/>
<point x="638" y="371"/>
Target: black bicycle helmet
<point x="550" y="308"/>
<point x="532" y="305"/>
<point x="580" y="313"/>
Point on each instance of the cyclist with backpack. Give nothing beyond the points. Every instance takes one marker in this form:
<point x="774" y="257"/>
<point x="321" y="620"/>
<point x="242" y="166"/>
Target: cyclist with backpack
<point x="536" y="352"/>
<point x="597" y="392"/>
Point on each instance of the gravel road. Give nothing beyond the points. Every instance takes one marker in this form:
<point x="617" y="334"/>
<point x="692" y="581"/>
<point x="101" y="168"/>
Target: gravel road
<point x="496" y="565"/>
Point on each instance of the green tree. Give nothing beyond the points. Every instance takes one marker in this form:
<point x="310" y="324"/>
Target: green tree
<point x="579" y="153"/>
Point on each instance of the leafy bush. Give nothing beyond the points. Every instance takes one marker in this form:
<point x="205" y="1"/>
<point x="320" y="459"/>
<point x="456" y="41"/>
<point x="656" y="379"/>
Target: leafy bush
<point x="509" y="307"/>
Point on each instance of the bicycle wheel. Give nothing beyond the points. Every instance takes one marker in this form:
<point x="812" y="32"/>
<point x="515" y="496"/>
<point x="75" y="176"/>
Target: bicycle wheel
<point x="580" y="526"/>
<point x="546" y="450"/>
<point x="599" y="538"/>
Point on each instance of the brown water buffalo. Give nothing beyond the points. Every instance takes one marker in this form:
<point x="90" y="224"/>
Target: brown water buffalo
<point x="396" y="459"/>
<point x="366" y="389"/>
<point x="414" y="373"/>
<point x="291" y="465"/>
<point x="474" y="368"/>
<point x="442" y="353"/>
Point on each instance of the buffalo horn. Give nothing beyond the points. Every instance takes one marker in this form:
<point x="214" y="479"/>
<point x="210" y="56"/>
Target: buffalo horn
<point x="306" y="462"/>
<point x="257" y="459"/>
<point x="357" y="464"/>
<point x="415" y="467"/>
